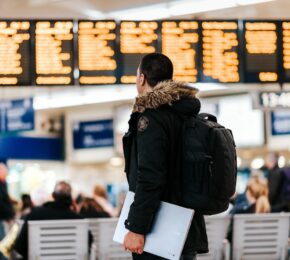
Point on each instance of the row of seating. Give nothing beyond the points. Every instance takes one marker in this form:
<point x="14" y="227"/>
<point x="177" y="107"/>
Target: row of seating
<point x="263" y="236"/>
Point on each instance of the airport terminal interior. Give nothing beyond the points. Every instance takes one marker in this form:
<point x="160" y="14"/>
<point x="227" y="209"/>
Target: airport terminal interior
<point x="67" y="87"/>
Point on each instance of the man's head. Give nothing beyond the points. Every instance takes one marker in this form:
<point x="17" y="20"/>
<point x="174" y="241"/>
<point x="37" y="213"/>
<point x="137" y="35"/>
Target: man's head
<point x="272" y="160"/>
<point x="62" y="191"/>
<point x="153" y="68"/>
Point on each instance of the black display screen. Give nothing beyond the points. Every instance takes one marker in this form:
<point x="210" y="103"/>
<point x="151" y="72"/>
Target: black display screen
<point x="54" y="61"/>
<point x="137" y="38"/>
<point x="261" y="62"/>
<point x="180" y="43"/>
<point x="15" y="53"/>
<point x="220" y="51"/>
<point x="97" y="55"/>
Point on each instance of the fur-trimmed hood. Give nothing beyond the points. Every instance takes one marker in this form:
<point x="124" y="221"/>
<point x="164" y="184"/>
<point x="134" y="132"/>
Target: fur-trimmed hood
<point x="169" y="93"/>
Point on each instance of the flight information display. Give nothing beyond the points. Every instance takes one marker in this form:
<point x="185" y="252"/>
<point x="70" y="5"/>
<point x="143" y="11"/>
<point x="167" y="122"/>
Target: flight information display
<point x="180" y="43"/>
<point x="54" y="52"/>
<point x="261" y="51"/>
<point x="137" y="38"/>
<point x="286" y="50"/>
<point x="15" y="53"/>
<point x="220" y="53"/>
<point x="97" y="52"/>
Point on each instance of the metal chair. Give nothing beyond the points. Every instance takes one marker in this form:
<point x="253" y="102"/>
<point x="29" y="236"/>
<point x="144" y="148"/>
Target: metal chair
<point x="260" y="236"/>
<point x="103" y="232"/>
<point x="58" y="240"/>
<point x="216" y="228"/>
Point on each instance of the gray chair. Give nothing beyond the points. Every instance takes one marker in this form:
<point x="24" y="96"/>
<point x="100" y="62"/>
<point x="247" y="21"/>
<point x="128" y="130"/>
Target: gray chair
<point x="260" y="236"/>
<point x="105" y="248"/>
<point x="216" y="228"/>
<point x="58" y="240"/>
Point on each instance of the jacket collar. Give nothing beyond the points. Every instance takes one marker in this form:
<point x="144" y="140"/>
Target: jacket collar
<point x="164" y="93"/>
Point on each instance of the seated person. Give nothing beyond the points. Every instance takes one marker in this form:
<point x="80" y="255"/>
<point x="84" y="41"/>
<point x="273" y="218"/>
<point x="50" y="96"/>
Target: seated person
<point x="255" y="199"/>
<point x="60" y="208"/>
<point x="100" y="195"/>
<point x="89" y="208"/>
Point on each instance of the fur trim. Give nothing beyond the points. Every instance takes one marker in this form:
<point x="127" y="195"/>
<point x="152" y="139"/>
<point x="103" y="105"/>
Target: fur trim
<point x="165" y="92"/>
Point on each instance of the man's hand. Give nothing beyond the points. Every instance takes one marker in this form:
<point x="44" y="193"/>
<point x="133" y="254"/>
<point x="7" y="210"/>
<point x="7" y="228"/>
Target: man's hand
<point x="134" y="243"/>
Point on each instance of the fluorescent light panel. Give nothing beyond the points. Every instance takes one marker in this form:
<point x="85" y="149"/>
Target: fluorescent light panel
<point x="191" y="7"/>
<point x="252" y="2"/>
<point x="151" y="12"/>
<point x="176" y="8"/>
<point x="84" y="97"/>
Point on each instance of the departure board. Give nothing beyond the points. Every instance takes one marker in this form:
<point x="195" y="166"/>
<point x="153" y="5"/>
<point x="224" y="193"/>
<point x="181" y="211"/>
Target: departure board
<point x="97" y="52"/>
<point x="180" y="43"/>
<point x="286" y="50"/>
<point x="220" y="55"/>
<point x="137" y="38"/>
<point x="15" y="53"/>
<point x="261" y="51"/>
<point x="54" y="52"/>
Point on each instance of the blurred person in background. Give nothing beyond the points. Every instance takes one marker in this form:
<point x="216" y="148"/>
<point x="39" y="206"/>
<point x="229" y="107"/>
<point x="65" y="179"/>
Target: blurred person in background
<point x="7" y="211"/>
<point x="100" y="195"/>
<point x="275" y="181"/>
<point x="286" y="189"/>
<point x="59" y="208"/>
<point x="89" y="208"/>
<point x="26" y="205"/>
<point x="240" y="199"/>
<point x="255" y="199"/>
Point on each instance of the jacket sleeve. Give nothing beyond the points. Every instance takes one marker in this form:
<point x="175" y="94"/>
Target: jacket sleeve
<point x="152" y="144"/>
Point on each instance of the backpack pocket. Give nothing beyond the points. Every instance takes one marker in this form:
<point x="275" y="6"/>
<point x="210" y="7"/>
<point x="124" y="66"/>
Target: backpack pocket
<point x="196" y="172"/>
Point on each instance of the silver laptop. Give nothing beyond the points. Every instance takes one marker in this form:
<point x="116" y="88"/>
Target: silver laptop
<point x="169" y="231"/>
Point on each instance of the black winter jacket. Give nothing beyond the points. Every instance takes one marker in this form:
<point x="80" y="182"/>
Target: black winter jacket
<point x="152" y="157"/>
<point x="6" y="208"/>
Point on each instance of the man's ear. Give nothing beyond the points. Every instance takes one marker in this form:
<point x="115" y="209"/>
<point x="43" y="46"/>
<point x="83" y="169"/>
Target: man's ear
<point x="142" y="80"/>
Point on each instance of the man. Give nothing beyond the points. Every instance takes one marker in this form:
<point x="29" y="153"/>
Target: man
<point x="60" y="208"/>
<point x="152" y="153"/>
<point x="275" y="182"/>
<point x="6" y="208"/>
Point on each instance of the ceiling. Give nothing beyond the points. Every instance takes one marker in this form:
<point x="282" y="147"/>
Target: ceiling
<point x="87" y="8"/>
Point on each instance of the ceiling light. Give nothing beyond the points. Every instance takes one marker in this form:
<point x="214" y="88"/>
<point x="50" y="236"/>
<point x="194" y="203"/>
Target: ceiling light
<point x="116" y="161"/>
<point x="252" y="2"/>
<point x="177" y="8"/>
<point x="282" y="161"/>
<point x="84" y="96"/>
<point x="93" y="14"/>
<point x="204" y="87"/>
<point x="257" y="163"/>
<point x="239" y="162"/>
<point x="152" y="12"/>
<point x="191" y="7"/>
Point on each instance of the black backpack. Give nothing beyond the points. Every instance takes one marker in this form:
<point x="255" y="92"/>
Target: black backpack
<point x="209" y="167"/>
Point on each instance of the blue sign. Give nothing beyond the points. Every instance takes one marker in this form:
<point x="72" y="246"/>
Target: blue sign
<point x="16" y="115"/>
<point x="16" y="147"/>
<point x="94" y="134"/>
<point x="280" y="122"/>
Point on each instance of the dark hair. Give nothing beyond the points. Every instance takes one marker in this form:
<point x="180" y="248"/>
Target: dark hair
<point x="91" y="204"/>
<point x="156" y="67"/>
<point x="62" y="193"/>
<point x="26" y="202"/>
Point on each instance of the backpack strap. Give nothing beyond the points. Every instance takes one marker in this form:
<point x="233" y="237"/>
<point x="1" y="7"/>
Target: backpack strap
<point x="208" y="117"/>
